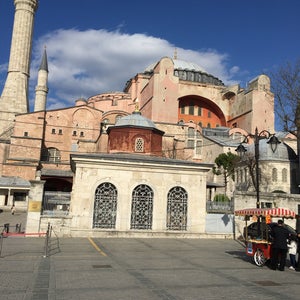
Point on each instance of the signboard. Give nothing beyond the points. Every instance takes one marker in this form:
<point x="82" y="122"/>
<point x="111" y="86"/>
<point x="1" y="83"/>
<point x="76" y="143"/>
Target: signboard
<point x="34" y="206"/>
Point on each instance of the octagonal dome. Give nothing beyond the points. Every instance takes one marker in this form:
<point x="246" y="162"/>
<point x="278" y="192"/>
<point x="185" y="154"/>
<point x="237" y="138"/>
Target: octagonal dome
<point x="136" y="120"/>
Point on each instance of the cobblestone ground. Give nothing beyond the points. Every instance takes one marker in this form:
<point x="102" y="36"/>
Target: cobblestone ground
<point x="17" y="222"/>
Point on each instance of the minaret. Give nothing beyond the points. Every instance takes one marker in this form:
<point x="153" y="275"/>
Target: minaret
<point x="41" y="89"/>
<point x="14" y="98"/>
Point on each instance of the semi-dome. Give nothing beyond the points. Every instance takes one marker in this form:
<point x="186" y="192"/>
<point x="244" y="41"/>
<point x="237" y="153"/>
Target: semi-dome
<point x="136" y="120"/>
<point x="283" y="152"/>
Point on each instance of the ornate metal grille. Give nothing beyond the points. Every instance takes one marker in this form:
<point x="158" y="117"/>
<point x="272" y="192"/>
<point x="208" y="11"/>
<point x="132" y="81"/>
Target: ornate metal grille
<point x="139" y="145"/>
<point x="177" y="209"/>
<point x="105" y="206"/>
<point x="142" y="207"/>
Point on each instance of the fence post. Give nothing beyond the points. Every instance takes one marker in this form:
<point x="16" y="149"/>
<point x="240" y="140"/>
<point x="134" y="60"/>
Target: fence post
<point x="1" y="242"/>
<point x="47" y="241"/>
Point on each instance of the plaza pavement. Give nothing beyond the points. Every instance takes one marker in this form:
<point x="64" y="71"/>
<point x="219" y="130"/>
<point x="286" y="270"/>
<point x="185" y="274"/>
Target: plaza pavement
<point x="136" y="269"/>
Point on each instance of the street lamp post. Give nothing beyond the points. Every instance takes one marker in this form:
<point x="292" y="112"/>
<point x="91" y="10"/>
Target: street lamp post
<point x="257" y="136"/>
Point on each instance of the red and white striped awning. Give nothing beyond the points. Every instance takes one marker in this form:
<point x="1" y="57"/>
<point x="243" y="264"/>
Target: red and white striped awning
<point x="273" y="212"/>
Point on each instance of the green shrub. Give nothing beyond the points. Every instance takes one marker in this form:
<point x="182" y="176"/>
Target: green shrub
<point x="221" y="198"/>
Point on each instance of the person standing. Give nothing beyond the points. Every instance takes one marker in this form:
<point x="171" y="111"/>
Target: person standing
<point x="292" y="246"/>
<point x="279" y="246"/>
<point x="298" y="251"/>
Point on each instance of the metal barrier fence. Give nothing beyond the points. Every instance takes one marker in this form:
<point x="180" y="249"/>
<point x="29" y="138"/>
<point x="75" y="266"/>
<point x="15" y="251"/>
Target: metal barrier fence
<point x="51" y="243"/>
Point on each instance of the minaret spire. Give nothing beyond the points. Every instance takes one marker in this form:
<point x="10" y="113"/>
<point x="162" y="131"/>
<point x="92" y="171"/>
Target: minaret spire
<point x="41" y="89"/>
<point x="14" y="98"/>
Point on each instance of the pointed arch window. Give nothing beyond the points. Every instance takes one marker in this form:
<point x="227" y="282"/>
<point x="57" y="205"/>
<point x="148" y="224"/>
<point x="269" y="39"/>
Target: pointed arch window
<point x="105" y="206"/>
<point x="141" y="207"/>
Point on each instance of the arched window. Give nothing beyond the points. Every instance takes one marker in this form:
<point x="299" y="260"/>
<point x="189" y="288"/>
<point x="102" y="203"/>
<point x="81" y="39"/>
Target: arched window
<point x="139" y="145"/>
<point x="182" y="109"/>
<point x="105" y="206"/>
<point x="284" y="175"/>
<point x="118" y="117"/>
<point x="191" y="108"/>
<point x="274" y="175"/>
<point x="141" y="207"/>
<point x="51" y="155"/>
<point x="177" y="209"/>
<point x="199" y="111"/>
<point x="194" y="141"/>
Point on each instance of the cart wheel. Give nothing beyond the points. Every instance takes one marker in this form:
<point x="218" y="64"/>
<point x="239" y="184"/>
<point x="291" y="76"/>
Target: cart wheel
<point x="259" y="258"/>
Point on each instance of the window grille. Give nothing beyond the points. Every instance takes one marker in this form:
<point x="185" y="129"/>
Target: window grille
<point x="105" y="206"/>
<point x="56" y="203"/>
<point x="177" y="209"/>
<point x="19" y="196"/>
<point x="142" y="207"/>
<point x="139" y="145"/>
<point x="51" y="155"/>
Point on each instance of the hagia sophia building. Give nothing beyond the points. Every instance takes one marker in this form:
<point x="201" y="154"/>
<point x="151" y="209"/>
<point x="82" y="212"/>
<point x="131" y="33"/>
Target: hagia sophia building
<point x="136" y="162"/>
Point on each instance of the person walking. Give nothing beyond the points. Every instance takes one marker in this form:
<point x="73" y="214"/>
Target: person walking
<point x="280" y="237"/>
<point x="292" y="246"/>
<point x="13" y="209"/>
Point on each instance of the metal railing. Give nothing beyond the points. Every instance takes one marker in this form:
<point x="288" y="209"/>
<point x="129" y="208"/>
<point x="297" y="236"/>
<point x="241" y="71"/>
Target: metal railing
<point x="219" y="207"/>
<point x="56" y="203"/>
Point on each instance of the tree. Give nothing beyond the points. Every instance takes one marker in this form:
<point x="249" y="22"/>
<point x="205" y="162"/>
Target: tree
<point x="286" y="89"/>
<point x="225" y="165"/>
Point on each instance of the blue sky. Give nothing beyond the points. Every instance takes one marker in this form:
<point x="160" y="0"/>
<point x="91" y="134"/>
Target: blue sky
<point x="96" y="46"/>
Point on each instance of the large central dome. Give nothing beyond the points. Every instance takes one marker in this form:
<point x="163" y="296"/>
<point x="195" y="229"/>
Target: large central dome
<point x="180" y="65"/>
<point x="188" y="71"/>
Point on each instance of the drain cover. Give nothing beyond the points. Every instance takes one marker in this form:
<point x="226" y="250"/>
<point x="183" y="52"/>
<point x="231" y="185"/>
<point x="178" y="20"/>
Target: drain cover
<point x="101" y="266"/>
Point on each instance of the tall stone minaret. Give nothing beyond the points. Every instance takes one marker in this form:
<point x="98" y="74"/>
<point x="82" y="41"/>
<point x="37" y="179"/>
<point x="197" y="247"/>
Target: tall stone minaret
<point x="41" y="89"/>
<point x="14" y="98"/>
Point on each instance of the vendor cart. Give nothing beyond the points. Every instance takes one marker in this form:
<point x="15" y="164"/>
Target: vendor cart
<point x="260" y="247"/>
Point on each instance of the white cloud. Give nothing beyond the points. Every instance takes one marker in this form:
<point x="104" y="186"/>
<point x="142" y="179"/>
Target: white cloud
<point x="85" y="63"/>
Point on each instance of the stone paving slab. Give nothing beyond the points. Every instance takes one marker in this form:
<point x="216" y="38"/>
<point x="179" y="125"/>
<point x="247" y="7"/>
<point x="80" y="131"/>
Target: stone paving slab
<point x="181" y="269"/>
